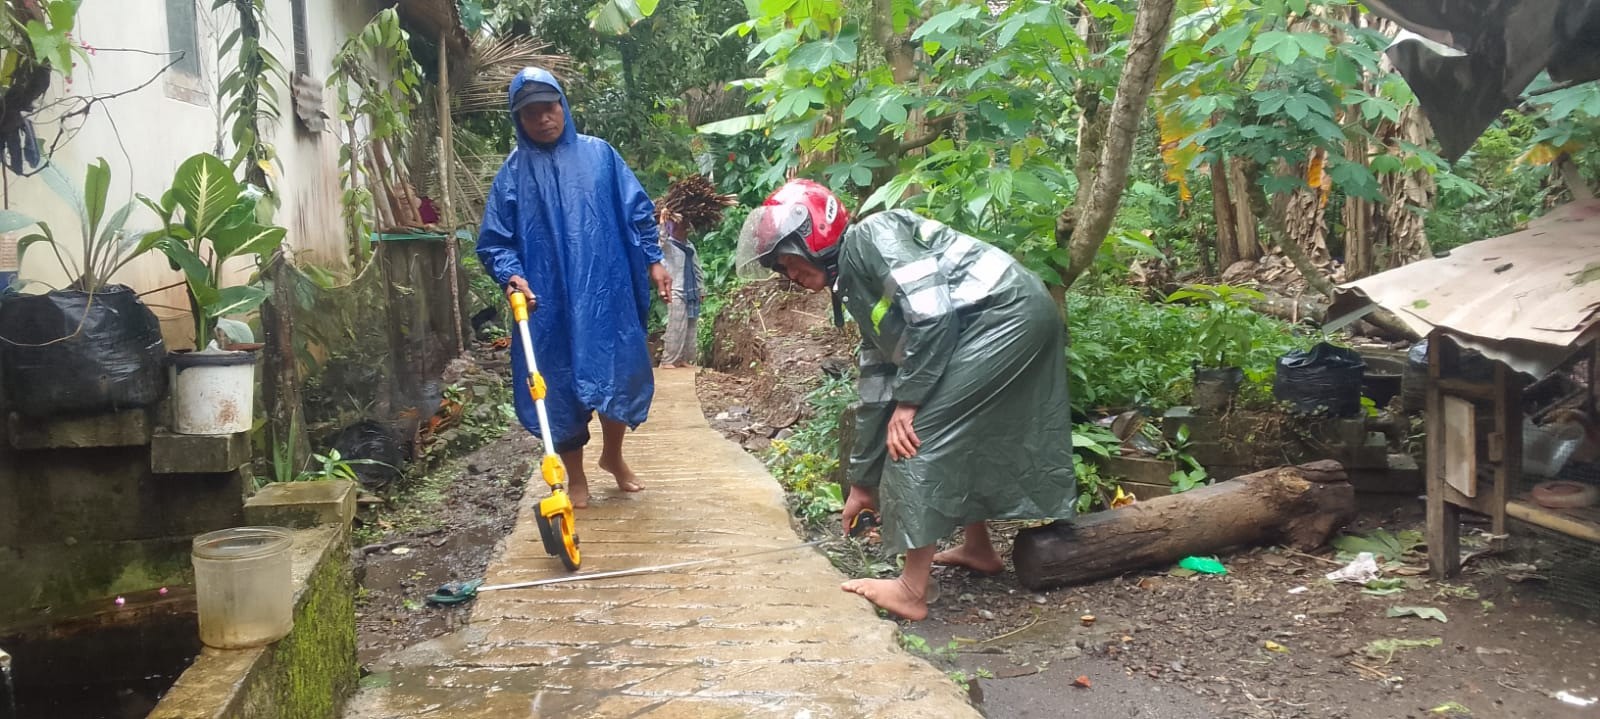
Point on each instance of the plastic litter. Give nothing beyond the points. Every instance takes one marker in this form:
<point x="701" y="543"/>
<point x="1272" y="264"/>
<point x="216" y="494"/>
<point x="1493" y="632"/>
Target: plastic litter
<point x="1299" y="590"/>
<point x="1203" y="565"/>
<point x="1568" y="698"/>
<point x="1363" y="569"/>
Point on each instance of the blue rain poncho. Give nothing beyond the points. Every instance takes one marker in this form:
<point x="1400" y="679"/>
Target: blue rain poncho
<point x="572" y="220"/>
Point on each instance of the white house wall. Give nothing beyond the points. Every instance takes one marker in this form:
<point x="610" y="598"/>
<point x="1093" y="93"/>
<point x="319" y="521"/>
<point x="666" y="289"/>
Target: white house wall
<point x="145" y="134"/>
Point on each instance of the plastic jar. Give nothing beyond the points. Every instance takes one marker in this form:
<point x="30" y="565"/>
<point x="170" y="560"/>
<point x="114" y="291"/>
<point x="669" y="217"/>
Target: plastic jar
<point x="243" y="586"/>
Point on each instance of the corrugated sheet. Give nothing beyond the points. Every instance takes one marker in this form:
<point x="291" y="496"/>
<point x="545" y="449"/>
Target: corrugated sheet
<point x="1527" y="298"/>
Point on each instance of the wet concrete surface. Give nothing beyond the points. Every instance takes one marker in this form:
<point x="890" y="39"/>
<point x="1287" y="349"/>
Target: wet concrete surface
<point x="766" y="636"/>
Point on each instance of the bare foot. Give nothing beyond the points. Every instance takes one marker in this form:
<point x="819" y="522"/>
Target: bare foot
<point x="983" y="560"/>
<point x="578" y="489"/>
<point x="890" y="594"/>
<point x="626" y="481"/>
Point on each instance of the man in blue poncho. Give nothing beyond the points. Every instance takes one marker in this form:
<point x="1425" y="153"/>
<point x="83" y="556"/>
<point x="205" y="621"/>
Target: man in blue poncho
<point x="569" y="225"/>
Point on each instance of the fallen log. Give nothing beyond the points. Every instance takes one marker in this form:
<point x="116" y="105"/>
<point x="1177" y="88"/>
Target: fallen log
<point x="1300" y="506"/>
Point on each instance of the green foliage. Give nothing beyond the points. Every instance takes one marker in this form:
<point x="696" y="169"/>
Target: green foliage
<point x="46" y="41"/>
<point x="1190" y="473"/>
<point x="1089" y="443"/>
<point x="631" y="84"/>
<point x="919" y="645"/>
<point x="716" y="259"/>
<point x="374" y="78"/>
<point x="1127" y="352"/>
<point x="250" y="90"/>
<point x="208" y="218"/>
<point x="805" y="463"/>
<point x="1223" y="336"/>
<point x="105" y="244"/>
<point x="1381" y="543"/>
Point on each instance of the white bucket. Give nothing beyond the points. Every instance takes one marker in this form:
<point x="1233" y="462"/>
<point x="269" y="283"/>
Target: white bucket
<point x="213" y="391"/>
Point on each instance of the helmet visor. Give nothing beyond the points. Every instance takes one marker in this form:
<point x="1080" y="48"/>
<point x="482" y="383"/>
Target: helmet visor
<point x="765" y="235"/>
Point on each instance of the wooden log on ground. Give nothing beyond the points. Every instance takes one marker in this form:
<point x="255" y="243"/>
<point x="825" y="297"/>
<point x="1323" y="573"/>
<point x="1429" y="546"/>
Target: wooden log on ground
<point x="1300" y="506"/>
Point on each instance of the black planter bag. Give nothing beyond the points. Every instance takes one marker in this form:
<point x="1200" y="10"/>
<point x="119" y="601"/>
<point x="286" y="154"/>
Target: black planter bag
<point x="1325" y="381"/>
<point x="72" y="353"/>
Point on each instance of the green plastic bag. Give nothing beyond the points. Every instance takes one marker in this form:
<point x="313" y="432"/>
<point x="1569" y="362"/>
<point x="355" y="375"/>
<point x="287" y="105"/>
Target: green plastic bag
<point x="1203" y="565"/>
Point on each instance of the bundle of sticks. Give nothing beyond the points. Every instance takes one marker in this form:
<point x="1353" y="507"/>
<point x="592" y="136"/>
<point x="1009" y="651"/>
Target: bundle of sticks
<point x="695" y="202"/>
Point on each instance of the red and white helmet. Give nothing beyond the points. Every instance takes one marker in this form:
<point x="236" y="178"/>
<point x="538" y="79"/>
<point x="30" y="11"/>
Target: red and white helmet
<point x="800" y="218"/>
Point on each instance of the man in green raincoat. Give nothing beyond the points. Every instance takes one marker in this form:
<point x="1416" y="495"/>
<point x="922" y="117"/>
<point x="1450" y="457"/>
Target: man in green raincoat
<point x="964" y="414"/>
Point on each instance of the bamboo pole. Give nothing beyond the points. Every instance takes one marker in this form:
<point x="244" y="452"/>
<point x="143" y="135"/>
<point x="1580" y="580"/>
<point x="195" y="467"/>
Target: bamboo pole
<point x="446" y="168"/>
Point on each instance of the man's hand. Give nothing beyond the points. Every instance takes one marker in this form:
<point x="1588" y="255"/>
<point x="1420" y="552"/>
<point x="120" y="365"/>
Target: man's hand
<point x="859" y="499"/>
<point x="903" y="442"/>
<point x="517" y="284"/>
<point x="658" y="275"/>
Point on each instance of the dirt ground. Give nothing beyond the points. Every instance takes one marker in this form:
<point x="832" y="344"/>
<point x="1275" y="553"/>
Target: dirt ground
<point x="471" y="506"/>
<point x="1271" y="639"/>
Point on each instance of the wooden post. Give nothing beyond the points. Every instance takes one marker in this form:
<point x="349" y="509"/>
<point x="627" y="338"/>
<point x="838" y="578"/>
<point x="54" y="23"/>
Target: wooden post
<point x="1444" y="518"/>
<point x="446" y="169"/>
<point x="1508" y="426"/>
<point x="280" y="374"/>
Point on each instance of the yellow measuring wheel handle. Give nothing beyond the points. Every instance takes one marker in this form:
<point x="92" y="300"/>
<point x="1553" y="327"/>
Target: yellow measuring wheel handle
<point x="519" y="307"/>
<point x="536" y="386"/>
<point x="553" y="471"/>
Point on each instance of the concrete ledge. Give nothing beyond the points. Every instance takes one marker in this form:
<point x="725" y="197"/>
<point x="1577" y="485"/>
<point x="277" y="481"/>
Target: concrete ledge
<point x="302" y="505"/>
<point x="172" y="453"/>
<point x="129" y="428"/>
<point x="307" y="674"/>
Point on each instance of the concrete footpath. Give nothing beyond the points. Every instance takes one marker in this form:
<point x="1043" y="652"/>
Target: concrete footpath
<point x="771" y="636"/>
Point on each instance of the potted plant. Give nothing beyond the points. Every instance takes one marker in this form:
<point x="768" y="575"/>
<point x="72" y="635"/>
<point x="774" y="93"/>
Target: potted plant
<point x="89" y="346"/>
<point x="1222" y="340"/>
<point x="208" y="218"/>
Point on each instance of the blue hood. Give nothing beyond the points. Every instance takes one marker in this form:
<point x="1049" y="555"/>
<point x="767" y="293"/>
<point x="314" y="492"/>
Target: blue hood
<point x="569" y="132"/>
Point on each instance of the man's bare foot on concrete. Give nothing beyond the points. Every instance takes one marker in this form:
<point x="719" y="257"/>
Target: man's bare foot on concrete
<point x="892" y="595"/>
<point x="578" y="487"/>
<point x="981" y="559"/>
<point x="626" y="480"/>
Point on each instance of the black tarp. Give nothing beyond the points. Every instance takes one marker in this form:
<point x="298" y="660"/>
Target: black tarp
<point x="1484" y="53"/>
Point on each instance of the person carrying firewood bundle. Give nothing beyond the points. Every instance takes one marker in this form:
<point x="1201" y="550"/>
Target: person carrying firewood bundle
<point x="691" y="205"/>
<point x="963" y="414"/>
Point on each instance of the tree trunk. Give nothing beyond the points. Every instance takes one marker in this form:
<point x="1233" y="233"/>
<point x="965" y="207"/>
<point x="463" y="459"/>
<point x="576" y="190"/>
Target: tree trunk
<point x="1240" y="190"/>
<point x="1301" y="506"/>
<point x="901" y="56"/>
<point x="1303" y="219"/>
<point x="1083" y="228"/>
<point x="1093" y="118"/>
<point x="1410" y="195"/>
<point x="280" y="373"/>
<point x="1275" y="215"/>
<point x="1227" y="224"/>
<point x="1573" y="179"/>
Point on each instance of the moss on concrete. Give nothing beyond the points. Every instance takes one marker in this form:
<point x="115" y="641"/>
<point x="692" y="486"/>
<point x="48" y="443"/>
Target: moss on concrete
<point x="306" y="675"/>
<point x="311" y="672"/>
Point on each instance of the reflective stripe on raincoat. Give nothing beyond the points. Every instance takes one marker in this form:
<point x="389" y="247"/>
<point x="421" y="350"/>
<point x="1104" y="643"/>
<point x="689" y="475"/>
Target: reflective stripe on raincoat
<point x="958" y="328"/>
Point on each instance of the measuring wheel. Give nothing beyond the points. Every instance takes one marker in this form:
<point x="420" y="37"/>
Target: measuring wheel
<point x="560" y="538"/>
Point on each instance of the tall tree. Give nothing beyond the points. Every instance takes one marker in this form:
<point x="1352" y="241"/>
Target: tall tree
<point x="1083" y="228"/>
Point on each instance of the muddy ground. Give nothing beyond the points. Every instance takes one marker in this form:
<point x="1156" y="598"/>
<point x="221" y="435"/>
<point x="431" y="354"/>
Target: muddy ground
<point x="1251" y="643"/>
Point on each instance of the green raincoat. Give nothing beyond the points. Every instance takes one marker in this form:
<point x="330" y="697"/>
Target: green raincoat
<point x="960" y="329"/>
